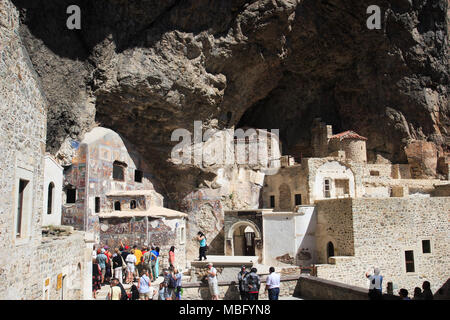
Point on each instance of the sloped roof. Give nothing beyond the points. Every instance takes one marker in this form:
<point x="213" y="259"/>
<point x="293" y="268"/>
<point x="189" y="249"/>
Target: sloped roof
<point x="156" y="212"/>
<point x="348" y="135"/>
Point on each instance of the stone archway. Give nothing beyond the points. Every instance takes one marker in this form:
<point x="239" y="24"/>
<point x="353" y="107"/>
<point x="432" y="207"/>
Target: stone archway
<point x="243" y="236"/>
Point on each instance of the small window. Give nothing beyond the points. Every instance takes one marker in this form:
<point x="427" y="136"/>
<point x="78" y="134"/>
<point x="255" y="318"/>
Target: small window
<point x="272" y="201"/>
<point x="117" y="206"/>
<point x="51" y="188"/>
<point x="119" y="170"/>
<point x="298" y="199"/>
<point x="133" y="204"/>
<point x="182" y="235"/>
<point x="138" y="175"/>
<point x="20" y="206"/>
<point x="326" y="188"/>
<point x="374" y="173"/>
<point x="426" y="246"/>
<point x="97" y="204"/>
<point x="409" y="260"/>
<point x="71" y="194"/>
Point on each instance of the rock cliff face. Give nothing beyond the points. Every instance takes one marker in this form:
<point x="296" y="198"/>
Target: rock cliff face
<point x="144" y="68"/>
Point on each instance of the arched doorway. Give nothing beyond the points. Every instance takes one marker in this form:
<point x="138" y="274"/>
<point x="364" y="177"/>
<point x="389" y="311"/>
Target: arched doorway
<point x="117" y="206"/>
<point x="244" y="236"/>
<point x="330" y="250"/>
<point x="244" y="241"/>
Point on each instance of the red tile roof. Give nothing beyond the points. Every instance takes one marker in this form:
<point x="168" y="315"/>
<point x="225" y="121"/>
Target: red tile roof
<point x="348" y="135"/>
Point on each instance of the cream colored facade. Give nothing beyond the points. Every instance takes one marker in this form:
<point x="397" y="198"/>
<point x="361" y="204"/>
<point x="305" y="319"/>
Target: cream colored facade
<point x="357" y="215"/>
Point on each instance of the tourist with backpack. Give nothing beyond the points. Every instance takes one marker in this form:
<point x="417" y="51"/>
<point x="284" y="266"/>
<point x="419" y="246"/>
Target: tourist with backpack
<point x="253" y="284"/>
<point x="146" y="263"/>
<point x="241" y="280"/>
<point x="177" y="276"/>
<point x="114" y="291"/>
<point x="171" y="284"/>
<point x="123" y="294"/>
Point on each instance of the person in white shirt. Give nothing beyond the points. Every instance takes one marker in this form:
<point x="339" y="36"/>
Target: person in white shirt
<point x="273" y="284"/>
<point x="376" y="284"/>
<point x="130" y="260"/>
<point x="212" y="282"/>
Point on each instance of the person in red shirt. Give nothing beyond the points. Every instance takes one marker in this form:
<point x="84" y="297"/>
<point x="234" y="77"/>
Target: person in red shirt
<point x="172" y="256"/>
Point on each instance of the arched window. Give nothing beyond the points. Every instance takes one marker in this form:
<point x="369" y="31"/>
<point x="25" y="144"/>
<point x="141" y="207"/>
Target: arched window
<point x="133" y="204"/>
<point x="51" y="188"/>
<point x="117" y="206"/>
<point x="330" y="250"/>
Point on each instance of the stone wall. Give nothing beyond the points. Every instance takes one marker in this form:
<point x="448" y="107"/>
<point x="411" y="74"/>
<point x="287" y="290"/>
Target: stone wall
<point x="68" y="258"/>
<point x="334" y="224"/>
<point x="383" y="229"/>
<point x="28" y="260"/>
<point x="314" y="288"/>
<point x="22" y="147"/>
<point x="295" y="178"/>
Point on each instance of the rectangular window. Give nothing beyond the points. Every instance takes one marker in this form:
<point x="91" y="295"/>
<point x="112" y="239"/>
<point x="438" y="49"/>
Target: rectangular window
<point x="374" y="173"/>
<point x="138" y="175"/>
<point x="71" y="195"/>
<point x="326" y="188"/>
<point x="97" y="204"/>
<point x="426" y="246"/>
<point x="409" y="260"/>
<point x="298" y="199"/>
<point x="119" y="170"/>
<point x="20" y="206"/>
<point x="272" y="201"/>
<point x="182" y="235"/>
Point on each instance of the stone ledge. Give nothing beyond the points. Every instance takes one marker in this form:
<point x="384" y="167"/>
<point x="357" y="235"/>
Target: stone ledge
<point x="345" y="287"/>
<point x="230" y="283"/>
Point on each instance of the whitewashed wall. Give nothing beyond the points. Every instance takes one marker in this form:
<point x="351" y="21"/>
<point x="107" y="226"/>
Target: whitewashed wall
<point x="53" y="172"/>
<point x="332" y="170"/>
<point x="305" y="240"/>
<point x="279" y="236"/>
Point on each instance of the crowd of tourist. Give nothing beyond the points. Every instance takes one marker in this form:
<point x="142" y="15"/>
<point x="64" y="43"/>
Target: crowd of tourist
<point x="138" y="267"/>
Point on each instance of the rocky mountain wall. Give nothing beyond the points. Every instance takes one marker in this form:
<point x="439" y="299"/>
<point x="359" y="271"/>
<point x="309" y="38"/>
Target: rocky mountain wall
<point x="146" y="67"/>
